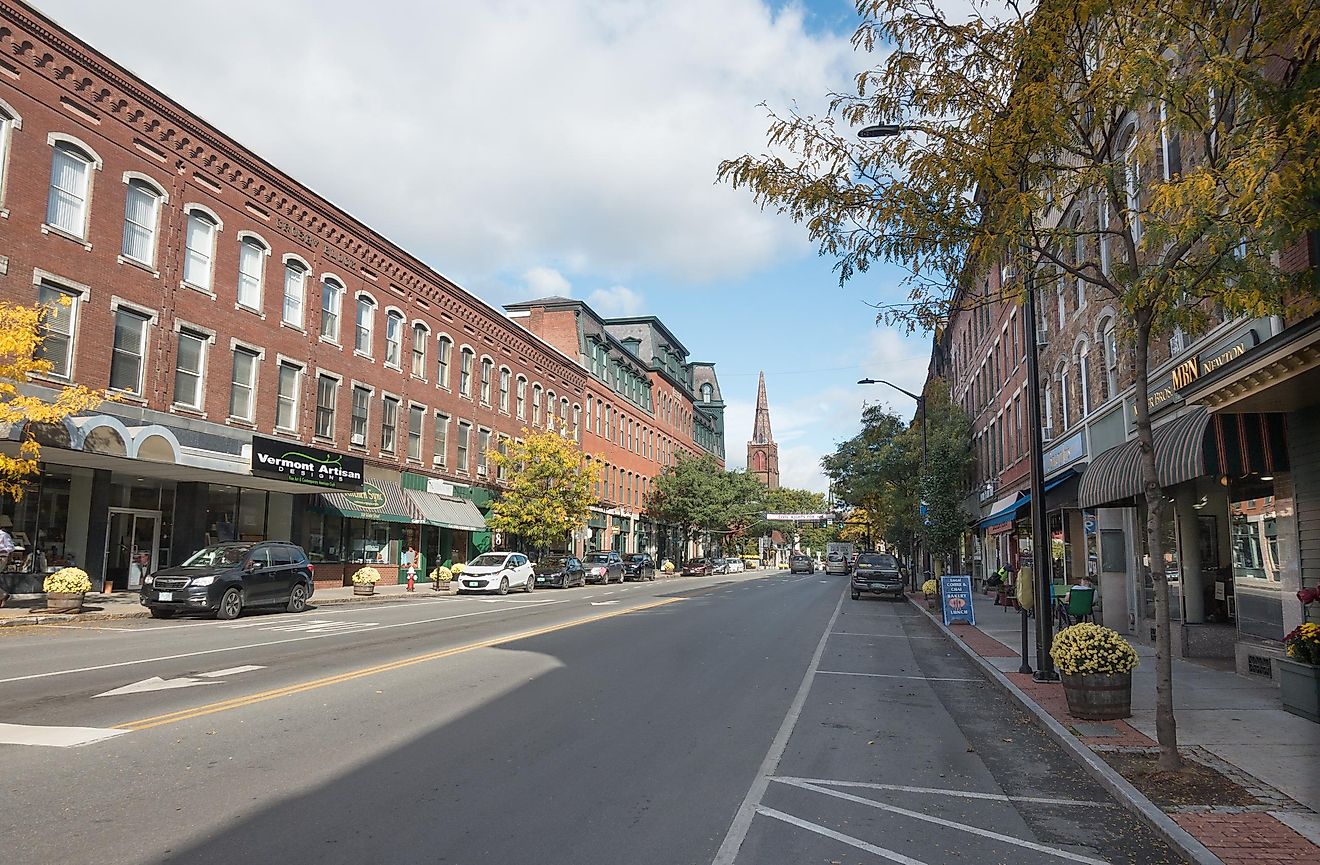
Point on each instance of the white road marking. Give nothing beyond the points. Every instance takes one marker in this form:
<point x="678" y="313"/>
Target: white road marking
<point x="243" y="647"/>
<point x="894" y="676"/>
<point x="742" y="820"/>
<point x="602" y="603"/>
<point x="895" y="636"/>
<point x="939" y="791"/>
<point x="321" y="626"/>
<point x="950" y="824"/>
<point x="156" y="683"/>
<point x="53" y="737"/>
<point x="882" y="852"/>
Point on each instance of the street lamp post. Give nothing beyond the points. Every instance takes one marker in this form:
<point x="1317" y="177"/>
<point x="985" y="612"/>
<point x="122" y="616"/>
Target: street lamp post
<point x="921" y="410"/>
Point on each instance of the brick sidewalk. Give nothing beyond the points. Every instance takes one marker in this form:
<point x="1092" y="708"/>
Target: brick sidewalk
<point x="1252" y="838"/>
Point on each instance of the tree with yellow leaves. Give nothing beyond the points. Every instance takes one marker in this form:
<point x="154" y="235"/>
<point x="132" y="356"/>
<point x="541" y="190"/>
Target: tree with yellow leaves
<point x="1158" y="154"/>
<point x="20" y="402"/>
<point x="549" y="490"/>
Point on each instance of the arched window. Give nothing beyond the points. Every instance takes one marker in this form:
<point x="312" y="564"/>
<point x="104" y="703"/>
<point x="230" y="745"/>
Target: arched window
<point x="1065" y="407"/>
<point x="505" y="376"/>
<point x="141" y="216"/>
<point x="444" y="347"/>
<point x="706" y="392"/>
<point x="536" y="405"/>
<point x="252" y="272"/>
<point x="9" y="121"/>
<point x="421" y="335"/>
<point x="70" y="188"/>
<point x="1109" y="343"/>
<point x="550" y="409"/>
<point x="1128" y="146"/>
<point x="1084" y="378"/>
<point x="521" y="398"/>
<point x="760" y="461"/>
<point x="332" y="299"/>
<point x="1079" y="258"/>
<point x="394" y="338"/>
<point x="465" y="372"/>
<point x="295" y="288"/>
<point x="487" y="369"/>
<point x="199" y="248"/>
<point x="365" y="322"/>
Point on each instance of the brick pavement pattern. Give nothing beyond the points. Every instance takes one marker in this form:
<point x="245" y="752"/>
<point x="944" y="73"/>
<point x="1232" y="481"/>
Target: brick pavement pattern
<point x="1249" y="839"/>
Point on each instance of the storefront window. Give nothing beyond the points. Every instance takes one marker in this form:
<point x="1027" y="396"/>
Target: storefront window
<point x="324" y="541"/>
<point x="1257" y="598"/>
<point x="221" y="514"/>
<point x="1172" y="566"/>
<point x="252" y="515"/>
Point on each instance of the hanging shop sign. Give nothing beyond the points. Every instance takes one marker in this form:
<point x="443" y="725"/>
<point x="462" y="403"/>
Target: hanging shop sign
<point x="956" y="593"/>
<point x="302" y="464"/>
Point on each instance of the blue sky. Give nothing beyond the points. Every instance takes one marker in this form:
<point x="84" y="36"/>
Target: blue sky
<point x="533" y="147"/>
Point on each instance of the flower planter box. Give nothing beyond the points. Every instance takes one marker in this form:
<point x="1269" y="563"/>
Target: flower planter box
<point x="1299" y="686"/>
<point x="1098" y="696"/>
<point x="444" y="588"/>
<point x="364" y="589"/>
<point x="64" y="602"/>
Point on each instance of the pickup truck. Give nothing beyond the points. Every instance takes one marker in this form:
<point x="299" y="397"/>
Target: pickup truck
<point x="878" y="574"/>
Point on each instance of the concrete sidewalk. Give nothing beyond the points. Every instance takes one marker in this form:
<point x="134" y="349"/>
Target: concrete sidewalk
<point x="30" y="609"/>
<point x="1232" y="723"/>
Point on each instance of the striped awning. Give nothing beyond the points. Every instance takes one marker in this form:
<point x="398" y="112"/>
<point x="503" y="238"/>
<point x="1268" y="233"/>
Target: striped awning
<point x="447" y="512"/>
<point x="1188" y="447"/>
<point x="378" y="500"/>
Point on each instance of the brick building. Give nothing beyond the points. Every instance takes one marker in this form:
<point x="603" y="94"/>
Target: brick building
<point x="645" y="404"/>
<point x="280" y="369"/>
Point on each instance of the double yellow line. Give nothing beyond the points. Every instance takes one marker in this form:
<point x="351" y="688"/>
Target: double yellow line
<point x="290" y="690"/>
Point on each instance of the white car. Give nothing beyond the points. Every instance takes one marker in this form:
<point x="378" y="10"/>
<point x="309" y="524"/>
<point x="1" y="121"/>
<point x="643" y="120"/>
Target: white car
<point x="735" y="566"/>
<point x="497" y="572"/>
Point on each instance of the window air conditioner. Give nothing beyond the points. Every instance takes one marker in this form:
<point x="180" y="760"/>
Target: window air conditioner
<point x="481" y="471"/>
<point x="1046" y="433"/>
<point x="358" y="439"/>
<point x="437" y="461"/>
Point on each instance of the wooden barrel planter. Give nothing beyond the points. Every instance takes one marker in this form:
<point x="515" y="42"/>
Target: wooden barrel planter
<point x="1098" y="696"/>
<point x="364" y="588"/>
<point x="64" y="602"/>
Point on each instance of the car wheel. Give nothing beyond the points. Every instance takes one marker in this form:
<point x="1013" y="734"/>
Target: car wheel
<point x="297" y="599"/>
<point x="231" y="604"/>
<point x="856" y="596"/>
<point x="504" y="585"/>
<point x="158" y="613"/>
<point x="529" y="586"/>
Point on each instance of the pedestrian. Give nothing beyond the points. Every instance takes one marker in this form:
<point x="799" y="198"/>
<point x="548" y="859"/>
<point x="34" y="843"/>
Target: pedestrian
<point x="6" y="550"/>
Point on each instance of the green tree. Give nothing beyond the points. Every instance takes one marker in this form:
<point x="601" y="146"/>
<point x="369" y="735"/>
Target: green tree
<point x="20" y="362"/>
<point x="947" y="477"/>
<point x="786" y="500"/>
<point x="549" y="488"/>
<point x="704" y="500"/>
<point x="877" y="472"/>
<point x="1158" y="153"/>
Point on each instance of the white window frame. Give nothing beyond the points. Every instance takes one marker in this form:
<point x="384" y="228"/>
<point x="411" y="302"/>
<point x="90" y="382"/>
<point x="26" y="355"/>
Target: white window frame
<point x="466" y="356"/>
<point x="149" y="188"/>
<point x="444" y="359"/>
<point x="148" y="318"/>
<point x="358" y="439"/>
<point x="419" y="344"/>
<point x="254" y="283"/>
<point x="76" y="295"/>
<point x="10" y="122"/>
<point x="462" y="448"/>
<point x="389" y="401"/>
<point x="487" y="373"/>
<point x="536" y="404"/>
<point x="197" y="257"/>
<point x="394" y="324"/>
<point x="364" y="332"/>
<point x="182" y="331"/>
<point x="293" y="306"/>
<point x="294" y="402"/>
<point x="235" y="349"/>
<point x="416" y="412"/>
<point x="440" y="440"/>
<point x="333" y="410"/>
<point x="506" y="377"/>
<point x="520" y="397"/>
<point x="332" y="308"/>
<point x="78" y="152"/>
<point x="1084" y="377"/>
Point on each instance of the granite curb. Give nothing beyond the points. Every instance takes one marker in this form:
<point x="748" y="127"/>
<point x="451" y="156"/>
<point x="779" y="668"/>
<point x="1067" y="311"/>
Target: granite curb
<point x="1118" y="786"/>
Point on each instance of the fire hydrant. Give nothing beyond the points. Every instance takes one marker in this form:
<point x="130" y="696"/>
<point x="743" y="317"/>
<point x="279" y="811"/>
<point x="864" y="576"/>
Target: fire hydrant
<point x="412" y="577"/>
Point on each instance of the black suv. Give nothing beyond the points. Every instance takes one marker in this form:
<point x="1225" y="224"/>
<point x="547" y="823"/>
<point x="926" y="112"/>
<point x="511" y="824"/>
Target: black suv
<point x="877" y="573"/>
<point x="225" y="578"/>
<point x="638" y="566"/>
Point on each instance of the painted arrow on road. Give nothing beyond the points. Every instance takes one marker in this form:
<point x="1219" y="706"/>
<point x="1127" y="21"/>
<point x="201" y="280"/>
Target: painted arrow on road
<point x="156" y="683"/>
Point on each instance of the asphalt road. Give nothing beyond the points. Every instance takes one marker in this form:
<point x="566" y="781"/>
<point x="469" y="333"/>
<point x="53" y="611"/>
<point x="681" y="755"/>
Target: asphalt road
<point x="722" y="721"/>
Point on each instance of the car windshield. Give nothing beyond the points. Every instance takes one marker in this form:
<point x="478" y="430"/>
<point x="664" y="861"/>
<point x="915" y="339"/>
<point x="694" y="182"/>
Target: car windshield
<point x="488" y="560"/>
<point x="694" y="562"/>
<point x="598" y="558"/>
<point x="878" y="560"/>
<point x="836" y="557"/>
<point x="637" y="560"/>
<point x="552" y="563"/>
<point x="218" y="556"/>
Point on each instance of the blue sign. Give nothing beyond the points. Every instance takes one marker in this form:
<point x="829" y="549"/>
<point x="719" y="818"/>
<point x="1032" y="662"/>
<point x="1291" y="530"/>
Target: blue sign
<point x="956" y="599"/>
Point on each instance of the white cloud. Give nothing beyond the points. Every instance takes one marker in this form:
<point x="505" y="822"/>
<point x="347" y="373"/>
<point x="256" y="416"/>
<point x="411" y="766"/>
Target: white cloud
<point x="546" y="282"/>
<point x="489" y="138"/>
<point x="615" y="302"/>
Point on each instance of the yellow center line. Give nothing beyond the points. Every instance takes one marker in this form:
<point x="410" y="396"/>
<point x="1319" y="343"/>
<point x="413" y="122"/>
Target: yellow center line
<point x="289" y="690"/>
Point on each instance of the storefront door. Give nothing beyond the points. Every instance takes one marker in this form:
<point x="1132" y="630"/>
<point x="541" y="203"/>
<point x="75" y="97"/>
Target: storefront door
<point x="132" y="544"/>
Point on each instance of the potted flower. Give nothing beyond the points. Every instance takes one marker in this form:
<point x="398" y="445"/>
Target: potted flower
<point x="65" y="590"/>
<point x="931" y="589"/>
<point x="364" y="580"/>
<point x="442" y="579"/>
<point x="1096" y="666"/>
<point x="1299" y="672"/>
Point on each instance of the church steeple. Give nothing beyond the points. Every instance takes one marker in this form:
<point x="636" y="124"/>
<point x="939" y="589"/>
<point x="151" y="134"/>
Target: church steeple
<point x="762" y="452"/>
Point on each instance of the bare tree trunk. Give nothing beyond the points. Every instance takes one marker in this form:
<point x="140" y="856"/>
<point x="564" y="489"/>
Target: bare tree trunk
<point x="1166" y="727"/>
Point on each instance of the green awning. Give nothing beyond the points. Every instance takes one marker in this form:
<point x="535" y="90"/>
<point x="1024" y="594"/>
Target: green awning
<point x="446" y="512"/>
<point x="378" y="500"/>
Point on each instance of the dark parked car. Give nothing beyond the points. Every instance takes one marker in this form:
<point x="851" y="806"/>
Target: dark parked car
<point x="639" y="566"/>
<point x="225" y="578"/>
<point x="604" y="567"/>
<point x="800" y="563"/>
<point x="877" y="573"/>
<point x="560" y="572"/>
<point x="699" y="568"/>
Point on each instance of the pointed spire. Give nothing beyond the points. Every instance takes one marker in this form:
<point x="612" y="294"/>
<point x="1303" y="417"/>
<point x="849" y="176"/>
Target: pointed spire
<point x="761" y="429"/>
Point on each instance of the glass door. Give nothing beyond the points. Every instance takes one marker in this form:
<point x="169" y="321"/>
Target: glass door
<point x="132" y="545"/>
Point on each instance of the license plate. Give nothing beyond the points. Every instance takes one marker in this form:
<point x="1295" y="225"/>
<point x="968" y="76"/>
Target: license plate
<point x="166" y="596"/>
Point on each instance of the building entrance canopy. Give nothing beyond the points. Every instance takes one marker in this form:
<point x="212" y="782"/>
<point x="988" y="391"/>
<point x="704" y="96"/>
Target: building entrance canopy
<point x="1189" y="447"/>
<point x="1008" y="514"/>
<point x="447" y="513"/>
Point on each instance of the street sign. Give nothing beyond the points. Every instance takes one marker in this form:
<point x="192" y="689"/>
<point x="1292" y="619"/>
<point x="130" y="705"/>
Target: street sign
<point x="956" y="599"/>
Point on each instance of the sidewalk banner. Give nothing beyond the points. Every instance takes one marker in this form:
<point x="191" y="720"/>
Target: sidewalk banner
<point x="956" y="596"/>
